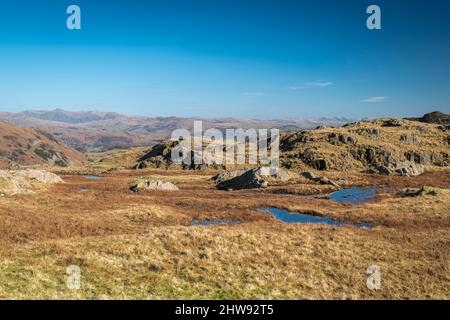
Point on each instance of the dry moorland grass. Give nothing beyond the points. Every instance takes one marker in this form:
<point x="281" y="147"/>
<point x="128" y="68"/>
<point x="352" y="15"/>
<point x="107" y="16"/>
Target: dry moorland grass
<point x="141" y="246"/>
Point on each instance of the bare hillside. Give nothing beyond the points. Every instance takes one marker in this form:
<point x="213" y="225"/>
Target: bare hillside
<point x="24" y="146"/>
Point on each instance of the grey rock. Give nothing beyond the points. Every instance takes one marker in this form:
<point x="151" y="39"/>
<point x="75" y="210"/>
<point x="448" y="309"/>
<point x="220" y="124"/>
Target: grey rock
<point x="409" y="139"/>
<point x="145" y="184"/>
<point x="24" y="181"/>
<point x="342" y="138"/>
<point x="405" y="168"/>
<point x="277" y="173"/>
<point x="248" y="180"/>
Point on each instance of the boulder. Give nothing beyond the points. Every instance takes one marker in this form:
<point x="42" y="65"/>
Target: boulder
<point x="37" y="175"/>
<point x="14" y="182"/>
<point x="248" y="180"/>
<point x="405" y="168"/>
<point x="277" y="173"/>
<point x="146" y="184"/>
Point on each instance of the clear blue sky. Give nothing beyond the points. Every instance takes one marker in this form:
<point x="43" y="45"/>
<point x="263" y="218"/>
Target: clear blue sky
<point x="246" y="58"/>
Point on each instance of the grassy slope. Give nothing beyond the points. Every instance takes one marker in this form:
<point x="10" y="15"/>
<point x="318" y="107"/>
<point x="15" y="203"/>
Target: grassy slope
<point x="138" y="245"/>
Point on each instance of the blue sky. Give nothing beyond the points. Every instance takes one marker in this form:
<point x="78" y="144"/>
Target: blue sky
<point x="247" y="58"/>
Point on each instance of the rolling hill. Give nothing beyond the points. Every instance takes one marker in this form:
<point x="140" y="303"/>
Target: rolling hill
<point x="26" y="147"/>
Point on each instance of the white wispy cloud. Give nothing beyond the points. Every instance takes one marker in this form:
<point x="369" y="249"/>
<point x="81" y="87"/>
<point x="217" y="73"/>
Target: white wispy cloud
<point x="375" y="99"/>
<point x="311" y="85"/>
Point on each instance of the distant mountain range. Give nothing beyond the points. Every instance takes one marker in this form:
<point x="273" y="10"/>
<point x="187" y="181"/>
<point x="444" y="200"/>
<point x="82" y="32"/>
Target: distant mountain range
<point x="100" y="131"/>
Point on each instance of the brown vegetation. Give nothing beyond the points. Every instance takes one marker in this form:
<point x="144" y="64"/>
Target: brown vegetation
<point x="140" y="245"/>
<point x="22" y="146"/>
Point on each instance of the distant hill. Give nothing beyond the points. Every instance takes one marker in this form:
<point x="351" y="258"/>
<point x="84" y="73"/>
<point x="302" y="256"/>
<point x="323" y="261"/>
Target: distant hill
<point x="24" y="146"/>
<point x="101" y="131"/>
<point x="434" y="117"/>
<point x="60" y="115"/>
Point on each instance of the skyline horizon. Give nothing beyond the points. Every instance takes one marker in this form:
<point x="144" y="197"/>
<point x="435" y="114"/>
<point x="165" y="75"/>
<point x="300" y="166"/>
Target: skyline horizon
<point x="131" y="115"/>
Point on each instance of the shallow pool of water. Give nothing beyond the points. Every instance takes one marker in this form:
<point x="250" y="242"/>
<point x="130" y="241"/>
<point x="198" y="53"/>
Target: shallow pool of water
<point x="196" y="223"/>
<point x="93" y="177"/>
<point x="286" y="216"/>
<point x="354" y="195"/>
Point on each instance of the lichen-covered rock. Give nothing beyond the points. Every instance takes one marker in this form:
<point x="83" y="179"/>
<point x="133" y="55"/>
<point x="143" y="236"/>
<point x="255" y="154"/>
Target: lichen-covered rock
<point x="428" y="158"/>
<point x="375" y="156"/>
<point x="405" y="168"/>
<point x="38" y="175"/>
<point x="14" y="182"/>
<point x="147" y="184"/>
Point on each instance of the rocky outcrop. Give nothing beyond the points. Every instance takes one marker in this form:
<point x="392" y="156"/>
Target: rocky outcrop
<point x="409" y="139"/>
<point x="160" y="156"/>
<point x="375" y="155"/>
<point x="366" y="144"/>
<point x="406" y="168"/>
<point x="428" y="158"/>
<point x="14" y="182"/>
<point x="147" y="184"/>
<point x="370" y="132"/>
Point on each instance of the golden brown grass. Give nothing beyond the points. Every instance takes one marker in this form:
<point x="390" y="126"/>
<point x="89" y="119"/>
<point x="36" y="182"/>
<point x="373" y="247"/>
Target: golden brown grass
<point x="141" y="246"/>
